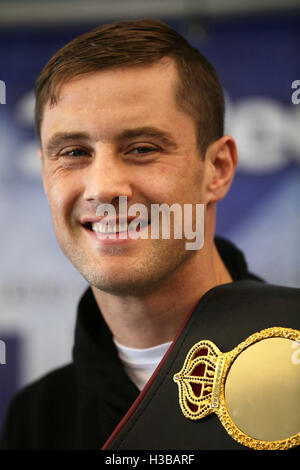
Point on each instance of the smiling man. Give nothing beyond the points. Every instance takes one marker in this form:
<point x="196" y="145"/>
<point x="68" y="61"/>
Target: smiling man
<point x="112" y="133"/>
<point x="131" y="110"/>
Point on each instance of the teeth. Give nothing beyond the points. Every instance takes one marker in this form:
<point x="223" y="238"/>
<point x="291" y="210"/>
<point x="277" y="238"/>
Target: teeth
<point x="106" y="228"/>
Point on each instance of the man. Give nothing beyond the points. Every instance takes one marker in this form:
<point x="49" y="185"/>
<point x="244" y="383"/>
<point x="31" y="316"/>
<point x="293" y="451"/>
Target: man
<point x="128" y="110"/>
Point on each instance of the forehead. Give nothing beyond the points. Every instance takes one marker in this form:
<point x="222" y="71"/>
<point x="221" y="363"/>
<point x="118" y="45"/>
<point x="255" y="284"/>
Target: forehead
<point x="100" y="101"/>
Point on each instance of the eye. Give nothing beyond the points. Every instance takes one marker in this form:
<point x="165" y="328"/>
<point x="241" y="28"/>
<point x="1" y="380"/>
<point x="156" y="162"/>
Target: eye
<point x="74" y="152"/>
<point x="143" y="150"/>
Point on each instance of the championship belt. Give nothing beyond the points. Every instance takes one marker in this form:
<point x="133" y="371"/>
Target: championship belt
<point x="253" y="389"/>
<point x="246" y="397"/>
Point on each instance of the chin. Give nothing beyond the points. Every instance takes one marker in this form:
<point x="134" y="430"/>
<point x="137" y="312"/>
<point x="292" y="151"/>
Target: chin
<point x="121" y="287"/>
<point x="121" y="283"/>
<point x="135" y="275"/>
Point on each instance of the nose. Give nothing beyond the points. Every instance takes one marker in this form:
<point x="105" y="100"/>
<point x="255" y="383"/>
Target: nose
<point x="107" y="178"/>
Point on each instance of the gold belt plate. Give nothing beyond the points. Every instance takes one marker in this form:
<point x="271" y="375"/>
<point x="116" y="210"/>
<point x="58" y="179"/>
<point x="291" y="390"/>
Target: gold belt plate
<point x="253" y="389"/>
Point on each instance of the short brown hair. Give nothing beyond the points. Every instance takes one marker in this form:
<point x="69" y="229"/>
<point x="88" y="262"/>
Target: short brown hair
<point x="139" y="42"/>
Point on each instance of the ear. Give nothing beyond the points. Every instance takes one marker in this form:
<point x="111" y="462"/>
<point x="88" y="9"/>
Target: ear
<point x="220" y="160"/>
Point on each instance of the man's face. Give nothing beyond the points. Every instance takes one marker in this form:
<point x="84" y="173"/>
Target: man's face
<point x="99" y="160"/>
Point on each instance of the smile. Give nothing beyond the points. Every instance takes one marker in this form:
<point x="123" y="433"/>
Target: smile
<point x="99" y="227"/>
<point x="111" y="233"/>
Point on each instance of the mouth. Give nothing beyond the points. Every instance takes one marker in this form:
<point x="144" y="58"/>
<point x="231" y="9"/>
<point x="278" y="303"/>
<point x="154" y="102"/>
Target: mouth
<point x="114" y="227"/>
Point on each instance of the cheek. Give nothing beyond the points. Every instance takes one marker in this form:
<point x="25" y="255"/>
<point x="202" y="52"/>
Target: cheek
<point x="184" y="180"/>
<point x="153" y="181"/>
<point x="62" y="194"/>
<point x="162" y="184"/>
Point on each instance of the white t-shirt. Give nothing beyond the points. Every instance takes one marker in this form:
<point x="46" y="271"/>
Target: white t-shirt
<point x="140" y="364"/>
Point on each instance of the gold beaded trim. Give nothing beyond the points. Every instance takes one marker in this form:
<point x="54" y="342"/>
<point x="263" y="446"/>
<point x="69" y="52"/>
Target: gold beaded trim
<point x="200" y="395"/>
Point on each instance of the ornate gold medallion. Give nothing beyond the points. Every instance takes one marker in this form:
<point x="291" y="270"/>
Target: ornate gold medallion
<point x="253" y="389"/>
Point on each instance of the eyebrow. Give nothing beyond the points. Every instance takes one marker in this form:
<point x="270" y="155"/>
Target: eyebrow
<point x="165" y="137"/>
<point x="60" y="137"/>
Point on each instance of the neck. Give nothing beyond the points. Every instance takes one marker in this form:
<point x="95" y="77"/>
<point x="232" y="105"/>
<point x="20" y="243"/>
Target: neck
<point x="155" y="318"/>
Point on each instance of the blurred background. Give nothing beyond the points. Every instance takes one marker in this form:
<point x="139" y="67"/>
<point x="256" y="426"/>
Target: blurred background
<point x="254" y="46"/>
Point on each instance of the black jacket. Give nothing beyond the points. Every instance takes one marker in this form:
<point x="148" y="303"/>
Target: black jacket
<point x="79" y="405"/>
